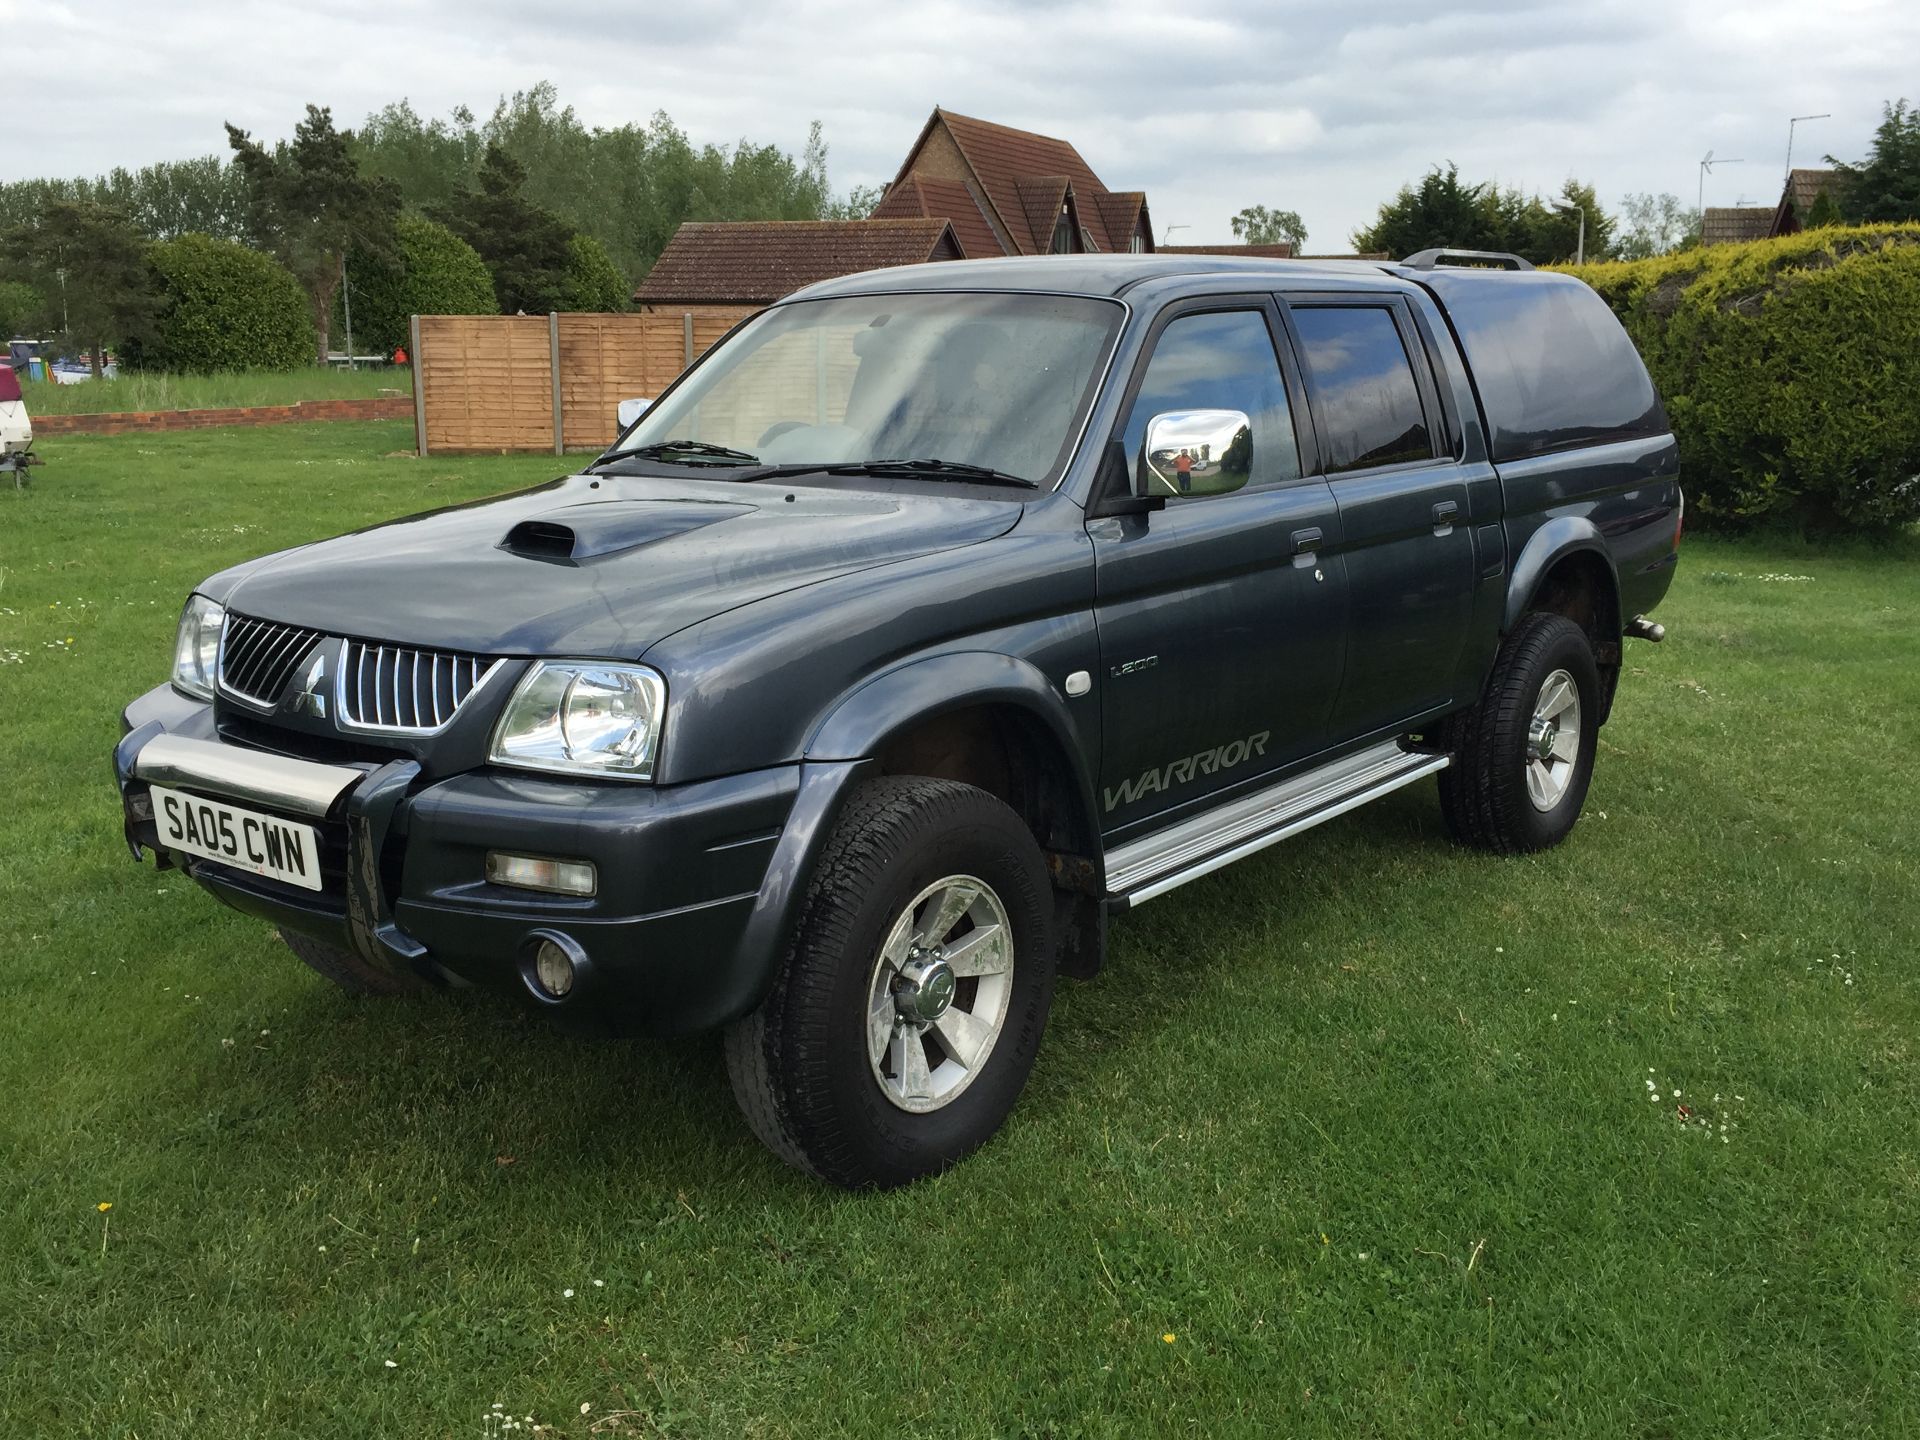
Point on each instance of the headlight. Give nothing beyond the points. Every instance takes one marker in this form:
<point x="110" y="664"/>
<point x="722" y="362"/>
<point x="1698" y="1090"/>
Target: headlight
<point x="196" y="646"/>
<point x="582" y="717"/>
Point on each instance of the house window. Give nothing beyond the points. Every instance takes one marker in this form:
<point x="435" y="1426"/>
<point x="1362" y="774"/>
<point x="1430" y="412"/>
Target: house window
<point x="1138" y="244"/>
<point x="1062" y="236"/>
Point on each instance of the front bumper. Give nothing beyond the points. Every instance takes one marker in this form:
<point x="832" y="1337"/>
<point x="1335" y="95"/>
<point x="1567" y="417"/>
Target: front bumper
<point x="691" y="912"/>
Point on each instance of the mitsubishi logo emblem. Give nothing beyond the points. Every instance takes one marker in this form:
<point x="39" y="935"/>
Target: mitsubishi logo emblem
<point x="309" y="700"/>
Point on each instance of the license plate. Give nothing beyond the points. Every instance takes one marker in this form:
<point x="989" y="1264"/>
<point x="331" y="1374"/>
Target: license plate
<point x="245" y="839"/>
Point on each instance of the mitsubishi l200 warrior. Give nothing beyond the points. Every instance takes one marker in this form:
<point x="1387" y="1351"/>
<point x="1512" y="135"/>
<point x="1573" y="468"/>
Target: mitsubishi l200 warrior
<point x="935" y="616"/>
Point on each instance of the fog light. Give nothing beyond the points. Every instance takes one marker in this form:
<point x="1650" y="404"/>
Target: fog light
<point x="553" y="968"/>
<point x="535" y="872"/>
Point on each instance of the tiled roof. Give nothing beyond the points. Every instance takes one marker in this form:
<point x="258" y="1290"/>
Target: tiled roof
<point x="1120" y="210"/>
<point x="921" y="196"/>
<point x="1804" y="187"/>
<point x="1040" y="202"/>
<point x="757" y="262"/>
<point x="1730" y="224"/>
<point x="1278" y="251"/>
<point x="1001" y="157"/>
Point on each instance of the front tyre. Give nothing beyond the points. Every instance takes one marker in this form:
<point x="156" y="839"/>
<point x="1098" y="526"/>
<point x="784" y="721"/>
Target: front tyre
<point x="1523" y="757"/>
<point x="900" y="1029"/>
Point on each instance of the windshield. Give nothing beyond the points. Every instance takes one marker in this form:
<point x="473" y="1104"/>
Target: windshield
<point x="1000" y="381"/>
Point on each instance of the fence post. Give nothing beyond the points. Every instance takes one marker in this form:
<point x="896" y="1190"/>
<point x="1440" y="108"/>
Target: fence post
<point x="553" y="359"/>
<point x="686" y="321"/>
<point x="419" y="388"/>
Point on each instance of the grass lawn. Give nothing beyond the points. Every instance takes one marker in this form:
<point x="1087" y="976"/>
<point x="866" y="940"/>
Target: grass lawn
<point x="1365" y="1136"/>
<point x="143" y="391"/>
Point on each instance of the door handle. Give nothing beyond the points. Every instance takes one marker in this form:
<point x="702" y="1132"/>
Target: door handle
<point x="1444" y="514"/>
<point x="1305" y="545"/>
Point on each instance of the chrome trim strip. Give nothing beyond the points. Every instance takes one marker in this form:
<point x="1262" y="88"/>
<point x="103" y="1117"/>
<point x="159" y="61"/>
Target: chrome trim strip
<point x="277" y="782"/>
<point x="1203" y="843"/>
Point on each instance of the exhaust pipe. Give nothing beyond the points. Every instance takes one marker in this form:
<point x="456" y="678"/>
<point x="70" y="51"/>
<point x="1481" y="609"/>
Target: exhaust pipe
<point x="1641" y="628"/>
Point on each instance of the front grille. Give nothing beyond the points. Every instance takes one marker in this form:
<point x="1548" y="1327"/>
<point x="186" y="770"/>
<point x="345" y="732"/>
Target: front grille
<point x="257" y="657"/>
<point x="393" y="688"/>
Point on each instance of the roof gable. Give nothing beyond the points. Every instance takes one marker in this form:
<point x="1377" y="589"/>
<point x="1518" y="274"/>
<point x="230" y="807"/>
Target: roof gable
<point x="950" y="200"/>
<point x="1001" y="157"/>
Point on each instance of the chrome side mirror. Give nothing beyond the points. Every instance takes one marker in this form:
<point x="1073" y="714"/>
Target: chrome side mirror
<point x="1196" y="452"/>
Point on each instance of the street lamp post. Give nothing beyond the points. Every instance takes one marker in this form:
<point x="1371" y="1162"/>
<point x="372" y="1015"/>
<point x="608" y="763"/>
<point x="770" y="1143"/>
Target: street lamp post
<point x="1580" y="248"/>
<point x="1795" y="120"/>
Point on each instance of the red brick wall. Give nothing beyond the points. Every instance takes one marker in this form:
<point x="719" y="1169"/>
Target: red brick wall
<point x="385" y="407"/>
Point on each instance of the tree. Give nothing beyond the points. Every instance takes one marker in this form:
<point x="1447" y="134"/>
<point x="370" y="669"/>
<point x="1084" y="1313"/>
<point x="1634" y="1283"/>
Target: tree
<point x="1440" y="210"/>
<point x="857" y="204"/>
<point x="594" y="282"/>
<point x="90" y="264"/>
<point x="1257" y="225"/>
<point x="1887" y="187"/>
<point x="434" y="272"/>
<point x="1551" y="236"/>
<point x="524" y="244"/>
<point x="629" y="186"/>
<point x="223" y="306"/>
<point x="1654" y="225"/>
<point x="23" y="309"/>
<point x="206" y="195"/>
<point x="309" y="204"/>
<point x="1443" y="211"/>
<point x="1823" y="212"/>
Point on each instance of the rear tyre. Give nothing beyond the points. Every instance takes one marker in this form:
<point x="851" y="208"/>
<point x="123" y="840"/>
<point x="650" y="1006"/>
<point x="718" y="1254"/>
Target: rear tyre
<point x="347" y="970"/>
<point x="902" y="1025"/>
<point x="1523" y="757"/>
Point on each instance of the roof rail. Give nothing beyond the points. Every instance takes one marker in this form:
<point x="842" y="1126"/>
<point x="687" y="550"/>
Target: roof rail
<point x="1494" y="259"/>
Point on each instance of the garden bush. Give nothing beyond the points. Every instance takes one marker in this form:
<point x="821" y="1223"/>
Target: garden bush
<point x="593" y="281"/>
<point x="223" y="307"/>
<point x="434" y="273"/>
<point x="1791" y="370"/>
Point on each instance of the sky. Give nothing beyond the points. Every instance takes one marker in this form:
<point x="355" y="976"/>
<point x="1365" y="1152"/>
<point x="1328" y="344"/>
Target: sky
<point x="1208" y="107"/>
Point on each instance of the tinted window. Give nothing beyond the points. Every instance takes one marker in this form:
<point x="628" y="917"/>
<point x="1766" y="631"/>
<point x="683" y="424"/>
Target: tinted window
<point x="1221" y="360"/>
<point x="1553" y="366"/>
<point x="1364" y="395"/>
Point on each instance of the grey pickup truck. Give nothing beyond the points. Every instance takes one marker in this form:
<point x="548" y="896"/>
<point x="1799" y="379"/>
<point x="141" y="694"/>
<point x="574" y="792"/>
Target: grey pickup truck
<point x="936" y="616"/>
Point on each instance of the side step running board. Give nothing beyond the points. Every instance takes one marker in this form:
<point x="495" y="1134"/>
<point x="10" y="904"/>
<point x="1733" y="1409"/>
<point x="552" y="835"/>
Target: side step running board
<point x="1157" y="863"/>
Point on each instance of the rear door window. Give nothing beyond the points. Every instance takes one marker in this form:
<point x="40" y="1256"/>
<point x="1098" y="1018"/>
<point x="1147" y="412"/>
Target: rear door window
<point x="1366" y="399"/>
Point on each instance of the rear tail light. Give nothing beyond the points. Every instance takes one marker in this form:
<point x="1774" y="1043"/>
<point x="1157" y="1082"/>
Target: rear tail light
<point x="1680" y="520"/>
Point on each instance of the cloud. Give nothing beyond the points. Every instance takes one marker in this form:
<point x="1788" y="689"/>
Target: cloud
<point x="1207" y="106"/>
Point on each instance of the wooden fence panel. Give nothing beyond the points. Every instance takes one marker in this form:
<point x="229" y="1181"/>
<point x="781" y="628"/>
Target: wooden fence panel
<point x="486" y="381"/>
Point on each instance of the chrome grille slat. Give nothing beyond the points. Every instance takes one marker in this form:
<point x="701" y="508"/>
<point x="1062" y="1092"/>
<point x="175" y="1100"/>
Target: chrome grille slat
<point x="398" y="689"/>
<point x="257" y="657"/>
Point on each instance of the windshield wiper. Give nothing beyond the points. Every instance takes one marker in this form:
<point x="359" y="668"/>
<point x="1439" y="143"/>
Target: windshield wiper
<point x="957" y="470"/>
<point x="704" y="454"/>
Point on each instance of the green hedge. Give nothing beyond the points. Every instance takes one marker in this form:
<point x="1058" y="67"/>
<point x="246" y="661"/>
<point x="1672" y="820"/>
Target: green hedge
<point x="437" y="273"/>
<point x="594" y="282"/>
<point x="223" y="307"/>
<point x="1791" y="369"/>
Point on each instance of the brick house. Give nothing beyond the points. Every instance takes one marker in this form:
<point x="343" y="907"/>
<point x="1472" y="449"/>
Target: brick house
<point x="754" y="262"/>
<point x="1013" y="192"/>
<point x="1732" y="224"/>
